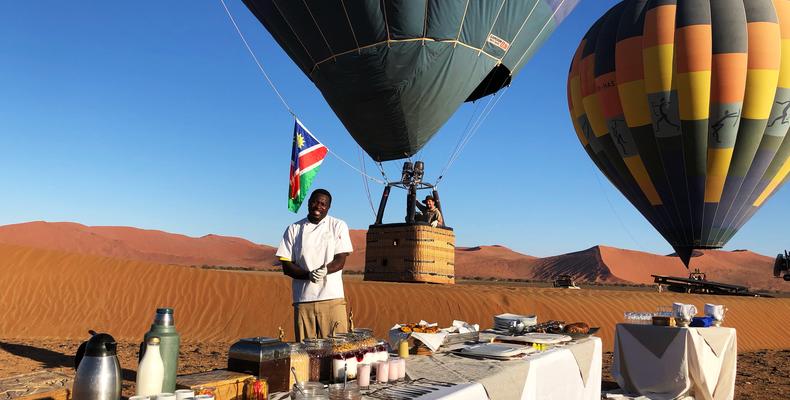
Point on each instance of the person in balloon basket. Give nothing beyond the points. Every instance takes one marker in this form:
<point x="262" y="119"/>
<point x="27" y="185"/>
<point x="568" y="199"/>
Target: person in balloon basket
<point x="429" y="213"/>
<point x="313" y="252"/>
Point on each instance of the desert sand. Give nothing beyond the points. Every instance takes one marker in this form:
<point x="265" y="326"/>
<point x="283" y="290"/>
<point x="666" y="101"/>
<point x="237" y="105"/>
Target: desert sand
<point x="51" y="293"/>
<point x="761" y="374"/>
<point x="598" y="264"/>
<point x="112" y="279"/>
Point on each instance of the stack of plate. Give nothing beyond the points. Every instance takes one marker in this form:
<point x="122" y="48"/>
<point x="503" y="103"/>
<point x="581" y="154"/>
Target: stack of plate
<point x="502" y="322"/>
<point x="501" y="351"/>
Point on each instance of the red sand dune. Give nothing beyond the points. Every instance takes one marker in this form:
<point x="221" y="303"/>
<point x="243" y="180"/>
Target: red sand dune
<point x="140" y="244"/>
<point x="600" y="264"/>
<point x="55" y="294"/>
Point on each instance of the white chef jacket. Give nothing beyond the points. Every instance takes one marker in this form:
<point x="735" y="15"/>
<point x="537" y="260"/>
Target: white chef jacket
<point x="311" y="246"/>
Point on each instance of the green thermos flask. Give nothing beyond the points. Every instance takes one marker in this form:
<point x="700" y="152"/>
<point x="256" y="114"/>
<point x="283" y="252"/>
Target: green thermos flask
<point x="164" y="328"/>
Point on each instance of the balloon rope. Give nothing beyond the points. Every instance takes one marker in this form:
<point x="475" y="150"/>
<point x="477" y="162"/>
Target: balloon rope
<point x="480" y="122"/>
<point x="606" y="196"/>
<point x="271" y="83"/>
<point x="383" y="173"/>
<point x="379" y="181"/>
<point x="255" y="58"/>
<point x="481" y="118"/>
<point x="364" y="181"/>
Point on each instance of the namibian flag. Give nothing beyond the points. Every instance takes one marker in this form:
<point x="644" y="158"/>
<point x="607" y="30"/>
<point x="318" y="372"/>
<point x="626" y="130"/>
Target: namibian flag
<point x="306" y="157"/>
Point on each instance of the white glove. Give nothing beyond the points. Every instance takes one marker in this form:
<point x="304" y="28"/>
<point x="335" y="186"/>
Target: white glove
<point x="318" y="274"/>
<point x="435" y="224"/>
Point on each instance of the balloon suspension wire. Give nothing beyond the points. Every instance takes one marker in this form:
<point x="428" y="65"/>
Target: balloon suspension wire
<point x="475" y="127"/>
<point x="365" y="181"/>
<point x="614" y="211"/>
<point x="383" y="172"/>
<point x="279" y="95"/>
<point x="255" y="58"/>
<point x="461" y="138"/>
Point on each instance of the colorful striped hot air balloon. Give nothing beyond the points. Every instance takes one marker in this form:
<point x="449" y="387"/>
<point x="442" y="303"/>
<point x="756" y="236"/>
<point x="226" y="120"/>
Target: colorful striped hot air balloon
<point x="685" y="106"/>
<point x="394" y="71"/>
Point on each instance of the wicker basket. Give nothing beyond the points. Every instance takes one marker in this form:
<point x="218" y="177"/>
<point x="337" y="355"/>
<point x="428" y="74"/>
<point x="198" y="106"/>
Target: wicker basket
<point x="410" y="253"/>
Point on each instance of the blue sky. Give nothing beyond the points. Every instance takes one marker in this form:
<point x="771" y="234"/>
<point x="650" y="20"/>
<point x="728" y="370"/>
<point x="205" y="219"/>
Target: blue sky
<point x="153" y="115"/>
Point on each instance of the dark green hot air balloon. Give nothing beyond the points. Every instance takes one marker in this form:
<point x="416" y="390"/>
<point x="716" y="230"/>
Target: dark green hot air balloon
<point x="394" y="71"/>
<point x="685" y="106"/>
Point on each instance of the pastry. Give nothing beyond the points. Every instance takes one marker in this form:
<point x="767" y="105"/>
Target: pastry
<point x="577" y="327"/>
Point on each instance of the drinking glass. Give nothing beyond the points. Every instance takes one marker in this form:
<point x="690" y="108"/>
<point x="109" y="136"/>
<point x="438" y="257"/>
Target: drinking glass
<point x="394" y="372"/>
<point x="363" y="375"/>
<point x="382" y="371"/>
<point x="401" y="368"/>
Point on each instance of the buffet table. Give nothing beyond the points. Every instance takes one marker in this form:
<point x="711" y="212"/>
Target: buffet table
<point x="568" y="372"/>
<point x="667" y="363"/>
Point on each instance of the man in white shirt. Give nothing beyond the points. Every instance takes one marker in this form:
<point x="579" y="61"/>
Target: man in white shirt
<point x="313" y="252"/>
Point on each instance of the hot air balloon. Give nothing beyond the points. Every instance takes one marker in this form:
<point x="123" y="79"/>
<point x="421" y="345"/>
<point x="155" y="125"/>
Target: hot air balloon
<point x="684" y="105"/>
<point x="394" y="71"/>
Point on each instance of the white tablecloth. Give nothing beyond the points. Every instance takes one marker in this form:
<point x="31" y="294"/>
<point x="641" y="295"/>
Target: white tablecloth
<point x="571" y="372"/>
<point x="669" y="363"/>
<point x="562" y="373"/>
<point x="556" y="375"/>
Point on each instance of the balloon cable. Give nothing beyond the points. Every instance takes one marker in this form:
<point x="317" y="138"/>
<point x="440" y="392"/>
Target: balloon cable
<point x="379" y="181"/>
<point x="279" y="95"/>
<point x="466" y="131"/>
<point x="255" y="58"/>
<point x="365" y="181"/>
<point x="383" y="172"/>
<point x="481" y="118"/>
<point x="606" y="196"/>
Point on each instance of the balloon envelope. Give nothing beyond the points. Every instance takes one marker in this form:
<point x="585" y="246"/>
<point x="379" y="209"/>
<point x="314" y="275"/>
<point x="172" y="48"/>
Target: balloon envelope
<point x="394" y="71"/>
<point x="685" y="106"/>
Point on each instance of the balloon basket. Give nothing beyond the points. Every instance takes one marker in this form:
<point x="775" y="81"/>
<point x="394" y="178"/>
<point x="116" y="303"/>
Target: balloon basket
<point x="410" y="253"/>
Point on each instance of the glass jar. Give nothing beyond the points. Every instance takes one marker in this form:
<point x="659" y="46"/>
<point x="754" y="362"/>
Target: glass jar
<point x="363" y="333"/>
<point x="310" y="391"/>
<point x="299" y="364"/>
<point x="344" y="359"/>
<point x="382" y="353"/>
<point x="348" y="391"/>
<point x="320" y="352"/>
<point x="368" y="348"/>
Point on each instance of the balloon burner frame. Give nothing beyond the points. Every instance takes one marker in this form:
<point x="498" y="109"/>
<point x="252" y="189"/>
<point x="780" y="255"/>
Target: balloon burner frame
<point x="411" y="181"/>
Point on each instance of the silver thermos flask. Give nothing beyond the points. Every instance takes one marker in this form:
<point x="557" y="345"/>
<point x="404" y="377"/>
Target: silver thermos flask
<point x="98" y="371"/>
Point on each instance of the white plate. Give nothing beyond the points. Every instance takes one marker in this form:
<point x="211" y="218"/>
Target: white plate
<point x="546" y="338"/>
<point x="500" y="350"/>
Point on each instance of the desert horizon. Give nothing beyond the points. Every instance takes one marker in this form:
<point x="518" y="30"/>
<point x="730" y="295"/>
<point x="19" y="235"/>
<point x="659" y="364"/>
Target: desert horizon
<point x="64" y="279"/>
<point x="599" y="264"/>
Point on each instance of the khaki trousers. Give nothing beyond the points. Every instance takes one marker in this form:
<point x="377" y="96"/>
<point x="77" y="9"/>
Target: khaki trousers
<point x="315" y="319"/>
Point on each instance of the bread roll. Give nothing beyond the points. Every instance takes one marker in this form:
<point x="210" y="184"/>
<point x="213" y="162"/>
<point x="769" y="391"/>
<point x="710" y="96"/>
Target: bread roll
<point x="578" y="327"/>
